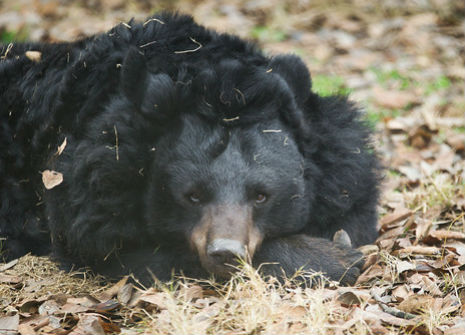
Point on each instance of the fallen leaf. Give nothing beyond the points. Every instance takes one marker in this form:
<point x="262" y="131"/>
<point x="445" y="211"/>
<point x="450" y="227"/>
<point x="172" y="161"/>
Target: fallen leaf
<point x="416" y="303"/>
<point x="398" y="215"/>
<point x="419" y="250"/>
<point x="348" y="299"/>
<point x="49" y="307"/>
<point x="388" y="318"/>
<point x="393" y="99"/>
<point x="34" y="56"/>
<point x="368" y="249"/>
<point x="403" y="266"/>
<point x="457" y="142"/>
<point x="51" y="179"/>
<point x="9" y="325"/>
<point x="422" y="229"/>
<point x="7" y="279"/>
<point x="458" y="329"/>
<point x="33" y="324"/>
<point x="113" y="291"/>
<point x="400" y="293"/>
<point x="89" y="324"/>
<point x="125" y="294"/>
<point x="188" y="293"/>
<point x="447" y="235"/>
<point x="8" y="265"/>
<point x="106" y="306"/>
<point x="420" y="136"/>
<point x="412" y="173"/>
<point x="158" y="299"/>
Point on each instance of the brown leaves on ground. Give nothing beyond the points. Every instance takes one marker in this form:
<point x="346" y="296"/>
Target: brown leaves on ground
<point x="404" y="64"/>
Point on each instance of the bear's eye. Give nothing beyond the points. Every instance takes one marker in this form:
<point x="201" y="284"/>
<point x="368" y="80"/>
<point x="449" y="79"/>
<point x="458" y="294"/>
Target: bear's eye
<point x="194" y="197"/>
<point x="260" y="198"/>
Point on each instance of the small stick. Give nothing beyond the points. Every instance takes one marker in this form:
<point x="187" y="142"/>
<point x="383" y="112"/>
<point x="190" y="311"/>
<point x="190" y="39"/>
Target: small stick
<point x="153" y="20"/>
<point x="147" y="44"/>
<point x="116" y="143"/>
<point x="192" y="50"/>
<point x="391" y="310"/>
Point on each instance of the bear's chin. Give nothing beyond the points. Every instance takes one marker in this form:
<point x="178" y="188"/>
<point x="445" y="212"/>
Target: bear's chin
<point x="222" y="271"/>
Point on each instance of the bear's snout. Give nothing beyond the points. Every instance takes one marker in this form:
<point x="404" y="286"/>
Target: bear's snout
<point x="225" y="234"/>
<point x="225" y="251"/>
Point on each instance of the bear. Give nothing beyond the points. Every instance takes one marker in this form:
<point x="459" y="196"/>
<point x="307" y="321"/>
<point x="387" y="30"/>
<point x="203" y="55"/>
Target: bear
<point x="181" y="150"/>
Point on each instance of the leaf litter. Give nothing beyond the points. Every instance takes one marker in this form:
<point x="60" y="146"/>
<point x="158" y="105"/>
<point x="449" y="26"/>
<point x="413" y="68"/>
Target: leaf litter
<point x="404" y="65"/>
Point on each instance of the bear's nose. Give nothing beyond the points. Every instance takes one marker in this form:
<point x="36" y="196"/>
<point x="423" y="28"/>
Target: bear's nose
<point x="225" y="251"/>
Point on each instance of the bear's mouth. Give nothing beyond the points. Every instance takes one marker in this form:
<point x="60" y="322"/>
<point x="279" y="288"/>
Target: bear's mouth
<point x="225" y="236"/>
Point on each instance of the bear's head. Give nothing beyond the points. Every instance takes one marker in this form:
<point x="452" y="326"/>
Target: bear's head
<point x="227" y="170"/>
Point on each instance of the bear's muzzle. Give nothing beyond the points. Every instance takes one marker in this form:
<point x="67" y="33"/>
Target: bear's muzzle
<point x="225" y="234"/>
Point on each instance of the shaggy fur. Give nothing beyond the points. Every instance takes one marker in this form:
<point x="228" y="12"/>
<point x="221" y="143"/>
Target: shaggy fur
<point x="166" y="122"/>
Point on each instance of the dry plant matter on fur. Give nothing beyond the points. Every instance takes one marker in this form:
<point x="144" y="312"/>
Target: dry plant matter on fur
<point x="405" y="64"/>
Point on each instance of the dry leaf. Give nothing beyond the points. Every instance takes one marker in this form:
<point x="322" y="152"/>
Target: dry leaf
<point x="191" y="292"/>
<point x="158" y="299"/>
<point x="420" y="137"/>
<point x="447" y="235"/>
<point x="51" y="179"/>
<point x="9" y="325"/>
<point x="416" y="303"/>
<point x="125" y="294"/>
<point x="398" y="215"/>
<point x="106" y="306"/>
<point x="368" y="249"/>
<point x="458" y="329"/>
<point x="456" y="141"/>
<point x="423" y="227"/>
<point x="33" y="324"/>
<point x="393" y="99"/>
<point x="34" y="56"/>
<point x="8" y="265"/>
<point x="89" y="324"/>
<point x="412" y="173"/>
<point x="400" y="293"/>
<point x="113" y="291"/>
<point x="419" y="250"/>
<point x="403" y="266"/>
<point x="6" y="279"/>
<point x="348" y="298"/>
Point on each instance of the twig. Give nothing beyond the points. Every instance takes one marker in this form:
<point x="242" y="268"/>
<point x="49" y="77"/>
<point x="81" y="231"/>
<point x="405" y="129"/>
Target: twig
<point x="241" y="97"/>
<point x="153" y="20"/>
<point x="116" y="143"/>
<point x="192" y="50"/>
<point x="231" y="119"/>
<point x="8" y="48"/>
<point x="147" y="44"/>
<point x="391" y="310"/>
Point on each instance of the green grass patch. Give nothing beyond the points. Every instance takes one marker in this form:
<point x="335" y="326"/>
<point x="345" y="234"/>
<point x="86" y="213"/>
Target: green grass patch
<point x="329" y="85"/>
<point x="384" y="77"/>
<point x="372" y="117"/>
<point x="7" y="36"/>
<point x="266" y="34"/>
<point x="440" y="83"/>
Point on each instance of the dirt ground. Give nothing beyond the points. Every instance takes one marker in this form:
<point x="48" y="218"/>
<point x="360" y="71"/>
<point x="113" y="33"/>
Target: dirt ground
<point x="404" y="63"/>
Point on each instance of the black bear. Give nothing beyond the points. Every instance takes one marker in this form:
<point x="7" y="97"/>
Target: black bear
<point x="181" y="149"/>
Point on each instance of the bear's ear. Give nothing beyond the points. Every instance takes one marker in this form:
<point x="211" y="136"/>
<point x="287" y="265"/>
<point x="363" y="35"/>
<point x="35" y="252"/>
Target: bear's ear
<point x="134" y="75"/>
<point x="294" y="71"/>
<point x="152" y="94"/>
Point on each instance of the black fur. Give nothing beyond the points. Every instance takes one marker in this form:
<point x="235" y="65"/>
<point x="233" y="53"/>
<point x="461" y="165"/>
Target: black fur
<point x="154" y="110"/>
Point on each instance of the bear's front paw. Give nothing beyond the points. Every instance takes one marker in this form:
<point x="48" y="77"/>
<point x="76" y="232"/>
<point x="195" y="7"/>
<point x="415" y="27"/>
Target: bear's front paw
<point x="336" y="259"/>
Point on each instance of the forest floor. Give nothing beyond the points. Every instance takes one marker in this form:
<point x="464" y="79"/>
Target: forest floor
<point x="404" y="64"/>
